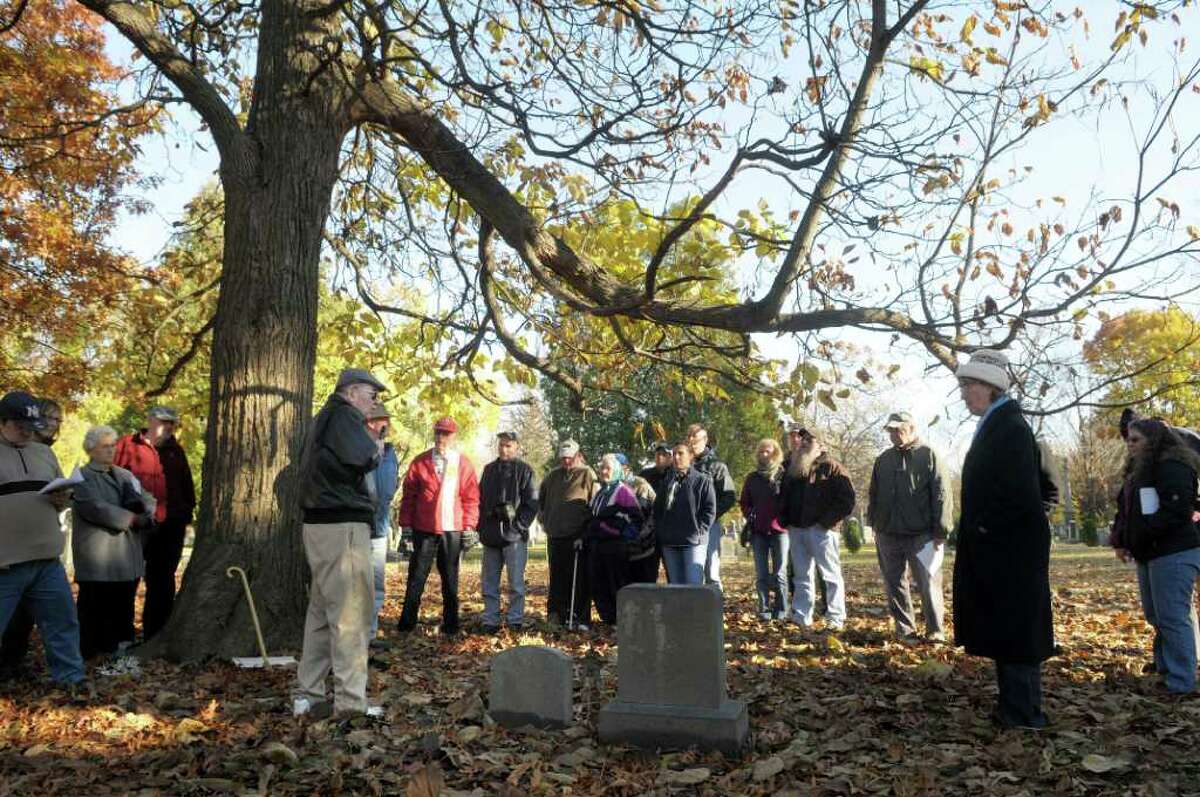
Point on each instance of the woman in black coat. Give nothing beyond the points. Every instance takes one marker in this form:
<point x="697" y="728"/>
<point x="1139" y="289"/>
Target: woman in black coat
<point x="1002" y="565"/>
<point x="1154" y="526"/>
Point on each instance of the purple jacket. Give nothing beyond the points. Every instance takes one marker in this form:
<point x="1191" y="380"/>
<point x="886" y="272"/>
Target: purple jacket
<point x="761" y="503"/>
<point x="616" y="514"/>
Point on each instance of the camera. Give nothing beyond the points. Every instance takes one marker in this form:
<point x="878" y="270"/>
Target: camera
<point x="506" y="513"/>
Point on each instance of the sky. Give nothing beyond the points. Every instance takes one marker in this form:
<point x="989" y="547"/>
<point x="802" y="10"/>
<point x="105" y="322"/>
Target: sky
<point x="1080" y="155"/>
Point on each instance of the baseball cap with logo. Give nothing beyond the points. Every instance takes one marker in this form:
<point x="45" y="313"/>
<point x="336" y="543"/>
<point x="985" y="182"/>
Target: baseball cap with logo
<point x="446" y="424"/>
<point x="898" y="419"/>
<point x="508" y="435"/>
<point x="23" y="408"/>
<point x="568" y="448"/>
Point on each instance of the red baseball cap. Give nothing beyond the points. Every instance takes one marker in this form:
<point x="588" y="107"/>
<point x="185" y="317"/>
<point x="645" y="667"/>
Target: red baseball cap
<point x="446" y="424"/>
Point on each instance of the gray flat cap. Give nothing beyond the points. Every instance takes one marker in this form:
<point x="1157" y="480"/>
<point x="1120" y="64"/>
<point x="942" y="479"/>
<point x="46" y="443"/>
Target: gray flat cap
<point x="358" y="376"/>
<point x="164" y="414"/>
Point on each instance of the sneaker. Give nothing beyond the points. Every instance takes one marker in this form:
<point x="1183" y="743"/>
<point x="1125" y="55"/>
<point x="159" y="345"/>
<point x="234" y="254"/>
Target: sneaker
<point x="380" y="644"/>
<point x="764" y="615"/>
<point x="489" y="630"/>
<point x="516" y="628"/>
<point x="797" y="620"/>
<point x="584" y="627"/>
<point x="937" y="639"/>
<point x="374" y="712"/>
<point x="834" y="626"/>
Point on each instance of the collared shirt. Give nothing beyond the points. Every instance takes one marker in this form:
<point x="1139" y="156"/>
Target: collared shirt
<point x="995" y="404"/>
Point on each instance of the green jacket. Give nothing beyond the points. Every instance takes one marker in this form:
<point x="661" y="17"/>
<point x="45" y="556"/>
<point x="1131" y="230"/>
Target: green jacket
<point x="909" y="493"/>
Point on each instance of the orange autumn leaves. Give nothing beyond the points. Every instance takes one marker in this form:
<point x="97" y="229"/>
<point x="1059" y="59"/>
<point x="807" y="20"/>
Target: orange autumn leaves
<point x="67" y="150"/>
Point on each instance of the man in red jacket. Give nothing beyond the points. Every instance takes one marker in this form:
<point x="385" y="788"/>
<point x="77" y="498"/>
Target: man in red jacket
<point x="440" y="501"/>
<point x="138" y="454"/>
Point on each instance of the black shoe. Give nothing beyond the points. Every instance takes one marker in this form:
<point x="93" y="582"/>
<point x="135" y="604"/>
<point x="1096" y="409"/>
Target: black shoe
<point x="489" y="630"/>
<point x="516" y="628"/>
<point x="448" y="632"/>
<point x="405" y="628"/>
<point x="1149" y="668"/>
<point x="1005" y="724"/>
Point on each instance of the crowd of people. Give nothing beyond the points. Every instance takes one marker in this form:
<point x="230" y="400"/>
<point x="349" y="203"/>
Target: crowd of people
<point x="130" y="507"/>
<point x="606" y="527"/>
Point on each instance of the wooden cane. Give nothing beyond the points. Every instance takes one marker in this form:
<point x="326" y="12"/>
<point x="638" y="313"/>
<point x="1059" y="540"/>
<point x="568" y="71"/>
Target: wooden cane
<point x="262" y="646"/>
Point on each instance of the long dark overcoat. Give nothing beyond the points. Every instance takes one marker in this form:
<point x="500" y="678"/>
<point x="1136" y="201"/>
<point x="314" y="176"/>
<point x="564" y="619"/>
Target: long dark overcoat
<point x="1002" y="565"/>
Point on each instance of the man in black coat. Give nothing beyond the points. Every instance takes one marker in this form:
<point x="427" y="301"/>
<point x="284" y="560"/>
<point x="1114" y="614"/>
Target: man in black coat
<point x="705" y="461"/>
<point x="1002" y="567"/>
<point x="507" y="507"/>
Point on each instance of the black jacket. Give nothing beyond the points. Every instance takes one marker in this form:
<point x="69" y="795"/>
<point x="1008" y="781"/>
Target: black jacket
<point x="338" y="454"/>
<point x="825" y="498"/>
<point x="506" y="483"/>
<point x="181" y="489"/>
<point x="1170" y="529"/>
<point x="726" y="491"/>
<point x="692" y="510"/>
<point x="1002" y="565"/>
<point x="655" y="477"/>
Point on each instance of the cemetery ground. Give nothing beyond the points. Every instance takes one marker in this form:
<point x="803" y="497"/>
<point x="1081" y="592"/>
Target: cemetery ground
<point x="852" y="713"/>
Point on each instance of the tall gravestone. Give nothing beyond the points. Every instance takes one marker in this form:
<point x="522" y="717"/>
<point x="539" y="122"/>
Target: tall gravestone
<point x="671" y="672"/>
<point x="531" y="685"/>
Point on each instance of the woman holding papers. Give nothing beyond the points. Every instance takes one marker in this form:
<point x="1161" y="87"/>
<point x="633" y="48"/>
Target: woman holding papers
<point x="1002" y="567"/>
<point x="111" y="510"/>
<point x="1154" y="527"/>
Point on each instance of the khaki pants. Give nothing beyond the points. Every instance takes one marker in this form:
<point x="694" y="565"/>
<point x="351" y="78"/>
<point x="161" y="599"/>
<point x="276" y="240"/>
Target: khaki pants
<point x="340" y="606"/>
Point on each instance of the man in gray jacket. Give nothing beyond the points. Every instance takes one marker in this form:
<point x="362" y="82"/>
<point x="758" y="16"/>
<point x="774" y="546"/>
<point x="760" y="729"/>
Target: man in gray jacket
<point x="911" y="512"/>
<point x="31" y="538"/>
<point x="339" y="510"/>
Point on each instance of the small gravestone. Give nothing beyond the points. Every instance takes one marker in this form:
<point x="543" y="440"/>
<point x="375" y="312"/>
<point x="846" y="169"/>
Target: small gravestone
<point x="671" y="672"/>
<point x="531" y="685"/>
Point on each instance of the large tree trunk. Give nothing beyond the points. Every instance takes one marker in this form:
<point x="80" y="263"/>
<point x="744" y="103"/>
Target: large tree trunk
<point x="263" y="354"/>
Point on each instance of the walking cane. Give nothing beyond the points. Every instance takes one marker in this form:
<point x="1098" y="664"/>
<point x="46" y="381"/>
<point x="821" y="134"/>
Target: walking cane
<point x="262" y="646"/>
<point x="574" y="574"/>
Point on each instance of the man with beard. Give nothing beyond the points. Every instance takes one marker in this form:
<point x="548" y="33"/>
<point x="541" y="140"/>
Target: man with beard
<point x="816" y="495"/>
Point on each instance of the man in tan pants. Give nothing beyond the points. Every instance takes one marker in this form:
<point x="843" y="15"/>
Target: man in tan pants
<point x="339" y="508"/>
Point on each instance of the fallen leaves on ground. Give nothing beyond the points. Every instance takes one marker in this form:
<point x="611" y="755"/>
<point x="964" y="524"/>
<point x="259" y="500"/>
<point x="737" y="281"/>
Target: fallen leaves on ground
<point x="845" y="714"/>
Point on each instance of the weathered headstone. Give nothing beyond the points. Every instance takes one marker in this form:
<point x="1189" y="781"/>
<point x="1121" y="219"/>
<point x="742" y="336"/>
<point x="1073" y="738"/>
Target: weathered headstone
<point x="531" y="685"/>
<point x="671" y="672"/>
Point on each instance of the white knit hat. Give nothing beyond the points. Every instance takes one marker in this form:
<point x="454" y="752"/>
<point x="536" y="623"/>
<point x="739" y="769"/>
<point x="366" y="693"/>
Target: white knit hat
<point x="986" y="365"/>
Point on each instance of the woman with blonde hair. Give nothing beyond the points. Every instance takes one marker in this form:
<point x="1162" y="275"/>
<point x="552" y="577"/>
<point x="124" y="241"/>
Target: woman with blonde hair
<point x="768" y="535"/>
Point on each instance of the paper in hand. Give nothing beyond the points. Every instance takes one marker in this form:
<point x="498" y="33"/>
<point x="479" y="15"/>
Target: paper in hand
<point x="63" y="483"/>
<point x="1148" y="497"/>
<point x="930" y="557"/>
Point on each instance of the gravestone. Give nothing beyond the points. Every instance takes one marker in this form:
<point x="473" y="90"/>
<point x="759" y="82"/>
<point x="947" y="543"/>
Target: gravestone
<point x="531" y="685"/>
<point x="671" y="672"/>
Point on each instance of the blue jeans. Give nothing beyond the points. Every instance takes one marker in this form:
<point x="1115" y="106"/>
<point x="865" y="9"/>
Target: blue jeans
<point x="712" y="555"/>
<point x="43" y="586"/>
<point x="685" y="563"/>
<point x="379" y="549"/>
<point x="1166" y="585"/>
<point x="770" y="558"/>
<point x="511" y="557"/>
<point x="809" y="546"/>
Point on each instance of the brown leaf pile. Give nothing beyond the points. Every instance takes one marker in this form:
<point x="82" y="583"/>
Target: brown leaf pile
<point x="855" y="713"/>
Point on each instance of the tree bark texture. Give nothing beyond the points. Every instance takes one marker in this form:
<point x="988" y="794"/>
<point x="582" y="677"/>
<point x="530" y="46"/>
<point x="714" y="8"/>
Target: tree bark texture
<point x="263" y="355"/>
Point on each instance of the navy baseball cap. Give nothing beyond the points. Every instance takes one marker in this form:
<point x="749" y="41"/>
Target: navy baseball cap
<point x="23" y="408"/>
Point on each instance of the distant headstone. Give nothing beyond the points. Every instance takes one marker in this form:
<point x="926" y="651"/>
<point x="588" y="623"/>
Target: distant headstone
<point x="671" y="672"/>
<point x="531" y="685"/>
